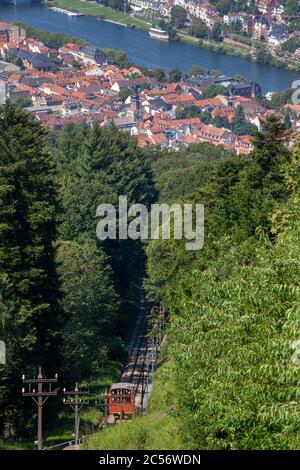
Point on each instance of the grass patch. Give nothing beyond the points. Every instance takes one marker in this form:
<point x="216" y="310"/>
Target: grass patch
<point x="90" y="416"/>
<point x="106" y="13"/>
<point x="151" y="432"/>
<point x="16" y="446"/>
<point x="158" y="430"/>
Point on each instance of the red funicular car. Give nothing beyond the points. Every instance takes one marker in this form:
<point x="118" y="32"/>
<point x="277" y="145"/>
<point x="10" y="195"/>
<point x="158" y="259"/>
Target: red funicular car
<point x="121" y="400"/>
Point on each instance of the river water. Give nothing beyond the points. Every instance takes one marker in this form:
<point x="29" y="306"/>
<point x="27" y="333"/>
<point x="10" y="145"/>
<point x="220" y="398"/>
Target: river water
<point x="142" y="50"/>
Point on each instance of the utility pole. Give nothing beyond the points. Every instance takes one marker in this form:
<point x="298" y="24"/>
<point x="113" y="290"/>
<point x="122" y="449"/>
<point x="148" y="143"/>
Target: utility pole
<point x="40" y="396"/>
<point x="147" y="383"/>
<point x="76" y="404"/>
<point x="143" y="390"/>
<point x="105" y="395"/>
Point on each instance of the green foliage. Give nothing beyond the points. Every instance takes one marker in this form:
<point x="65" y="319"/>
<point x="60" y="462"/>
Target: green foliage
<point x="159" y="74"/>
<point x="199" y="29"/>
<point x="48" y="206"/>
<point x="116" y="4"/>
<point x="29" y="305"/>
<point x="187" y="170"/>
<point x="213" y="90"/>
<point x="215" y="73"/>
<point x="174" y="76"/>
<point x="97" y="165"/>
<point x="240" y="126"/>
<point x="50" y="39"/>
<point x="12" y="59"/>
<point x="116" y="57"/>
<point x="291" y="45"/>
<point x="280" y="99"/>
<point x="263" y="56"/>
<point x="221" y="121"/>
<point x="234" y="307"/>
<point x="216" y="32"/>
<point x="90" y="305"/>
<point x="158" y="430"/>
<point x="196" y="70"/>
<point x="189" y="112"/>
<point x="23" y="102"/>
<point x="291" y="7"/>
<point x="223" y="6"/>
<point x="178" y="16"/>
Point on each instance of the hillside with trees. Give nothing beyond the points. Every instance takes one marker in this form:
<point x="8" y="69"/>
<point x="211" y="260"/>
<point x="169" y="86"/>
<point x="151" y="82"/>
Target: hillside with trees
<point x="234" y="306"/>
<point x="67" y="301"/>
<point x="229" y="368"/>
<point x="230" y="365"/>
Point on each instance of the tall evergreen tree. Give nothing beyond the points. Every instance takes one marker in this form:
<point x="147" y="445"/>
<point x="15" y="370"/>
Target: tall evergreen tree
<point x="240" y="126"/>
<point x="91" y="308"/>
<point x="110" y="164"/>
<point x="30" y="312"/>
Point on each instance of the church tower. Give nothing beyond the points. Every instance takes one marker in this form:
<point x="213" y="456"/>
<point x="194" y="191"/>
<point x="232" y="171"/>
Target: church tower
<point x="135" y="106"/>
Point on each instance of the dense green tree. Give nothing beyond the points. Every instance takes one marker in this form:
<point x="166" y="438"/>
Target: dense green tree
<point x="116" y="57"/>
<point x="240" y="126"/>
<point x="199" y="29"/>
<point x="291" y="7"/>
<point x="291" y="44"/>
<point x="196" y="70"/>
<point x="213" y="90"/>
<point x="174" y="76"/>
<point x="51" y="39"/>
<point x="234" y="306"/>
<point x="215" y="73"/>
<point x="221" y="121"/>
<point x="91" y="308"/>
<point x="30" y="312"/>
<point x="159" y="74"/>
<point x="116" y="4"/>
<point x="178" y="16"/>
<point x="216" y="32"/>
<point x="223" y="6"/>
<point x="287" y="121"/>
<point x="281" y="98"/>
<point x="206" y="117"/>
<point x="107" y="164"/>
<point x="190" y="112"/>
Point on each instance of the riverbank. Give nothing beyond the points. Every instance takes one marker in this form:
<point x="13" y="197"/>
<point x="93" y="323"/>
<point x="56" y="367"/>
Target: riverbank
<point x="142" y="50"/>
<point x="140" y="23"/>
<point x="106" y="13"/>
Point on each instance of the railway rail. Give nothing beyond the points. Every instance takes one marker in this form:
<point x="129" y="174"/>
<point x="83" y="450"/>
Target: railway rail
<point x="142" y="355"/>
<point x="136" y="370"/>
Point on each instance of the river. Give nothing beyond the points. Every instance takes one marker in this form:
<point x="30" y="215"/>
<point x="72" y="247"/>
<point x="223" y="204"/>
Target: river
<point x="142" y="50"/>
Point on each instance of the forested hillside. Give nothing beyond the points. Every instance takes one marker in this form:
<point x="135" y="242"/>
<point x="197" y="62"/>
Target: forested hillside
<point x="229" y="374"/>
<point x="67" y="301"/>
<point x="234" y="306"/>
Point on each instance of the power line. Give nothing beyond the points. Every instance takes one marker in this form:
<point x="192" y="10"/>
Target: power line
<point x="76" y="403"/>
<point x="39" y="396"/>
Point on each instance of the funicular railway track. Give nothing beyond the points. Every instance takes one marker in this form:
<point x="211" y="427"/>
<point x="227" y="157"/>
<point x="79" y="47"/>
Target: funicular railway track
<point x="136" y="370"/>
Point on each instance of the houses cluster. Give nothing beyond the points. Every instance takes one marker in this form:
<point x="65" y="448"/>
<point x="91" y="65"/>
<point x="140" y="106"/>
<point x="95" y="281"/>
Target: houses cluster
<point x="160" y="126"/>
<point x="74" y="84"/>
<point x="266" y="20"/>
